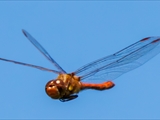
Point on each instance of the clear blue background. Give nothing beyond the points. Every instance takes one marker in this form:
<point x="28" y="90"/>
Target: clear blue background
<point x="76" y="33"/>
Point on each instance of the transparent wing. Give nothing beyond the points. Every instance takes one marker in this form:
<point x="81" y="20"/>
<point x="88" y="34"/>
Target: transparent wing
<point x="42" y="50"/>
<point x="127" y="59"/>
<point x="30" y="65"/>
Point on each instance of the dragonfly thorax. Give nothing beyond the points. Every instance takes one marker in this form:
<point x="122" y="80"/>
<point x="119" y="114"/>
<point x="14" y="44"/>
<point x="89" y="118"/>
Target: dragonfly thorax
<point x="64" y="86"/>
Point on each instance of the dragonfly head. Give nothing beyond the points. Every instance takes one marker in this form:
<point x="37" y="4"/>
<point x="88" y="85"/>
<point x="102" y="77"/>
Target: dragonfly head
<point x="55" y="88"/>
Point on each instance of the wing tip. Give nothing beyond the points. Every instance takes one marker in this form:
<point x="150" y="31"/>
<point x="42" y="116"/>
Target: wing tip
<point x="144" y="39"/>
<point x="157" y="40"/>
<point x="24" y="32"/>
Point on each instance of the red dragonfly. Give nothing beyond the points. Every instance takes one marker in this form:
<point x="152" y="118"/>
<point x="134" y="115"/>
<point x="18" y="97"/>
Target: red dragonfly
<point x="67" y="85"/>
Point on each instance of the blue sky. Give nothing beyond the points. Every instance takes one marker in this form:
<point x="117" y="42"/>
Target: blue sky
<point x="76" y="33"/>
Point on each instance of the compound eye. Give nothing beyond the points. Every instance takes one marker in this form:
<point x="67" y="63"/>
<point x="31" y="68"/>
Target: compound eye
<point x="60" y="85"/>
<point x="58" y="82"/>
<point x="51" y="85"/>
<point x="52" y="90"/>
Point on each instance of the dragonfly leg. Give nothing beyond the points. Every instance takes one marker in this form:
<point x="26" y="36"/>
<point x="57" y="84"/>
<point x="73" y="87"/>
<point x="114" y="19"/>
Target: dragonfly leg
<point x="71" y="97"/>
<point x="99" y="86"/>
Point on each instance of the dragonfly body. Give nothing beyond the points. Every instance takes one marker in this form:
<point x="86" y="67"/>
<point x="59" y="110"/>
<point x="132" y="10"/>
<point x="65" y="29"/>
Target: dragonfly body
<point x="66" y="86"/>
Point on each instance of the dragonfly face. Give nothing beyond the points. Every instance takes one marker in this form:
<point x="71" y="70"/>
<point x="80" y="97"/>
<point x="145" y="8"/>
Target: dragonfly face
<point x="55" y="88"/>
<point x="66" y="86"/>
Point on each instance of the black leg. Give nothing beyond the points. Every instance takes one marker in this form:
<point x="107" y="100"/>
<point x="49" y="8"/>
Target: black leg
<point x="65" y="99"/>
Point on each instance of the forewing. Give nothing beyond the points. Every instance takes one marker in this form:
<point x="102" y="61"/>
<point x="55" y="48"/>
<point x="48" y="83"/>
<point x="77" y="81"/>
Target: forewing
<point x="127" y="59"/>
<point x="30" y="65"/>
<point x="42" y="50"/>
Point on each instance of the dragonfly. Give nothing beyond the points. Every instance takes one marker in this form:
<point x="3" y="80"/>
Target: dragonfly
<point x="97" y="75"/>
